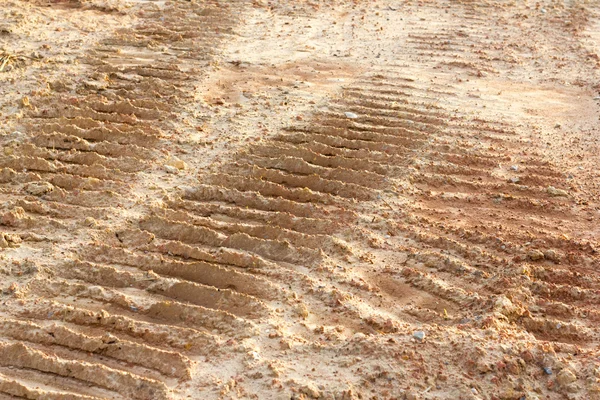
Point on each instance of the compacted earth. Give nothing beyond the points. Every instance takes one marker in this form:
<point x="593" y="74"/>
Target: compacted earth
<point x="253" y="199"/>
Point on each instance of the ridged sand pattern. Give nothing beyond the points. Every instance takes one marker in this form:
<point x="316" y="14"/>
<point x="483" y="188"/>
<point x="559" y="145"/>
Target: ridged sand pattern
<point x="98" y="328"/>
<point x="281" y="237"/>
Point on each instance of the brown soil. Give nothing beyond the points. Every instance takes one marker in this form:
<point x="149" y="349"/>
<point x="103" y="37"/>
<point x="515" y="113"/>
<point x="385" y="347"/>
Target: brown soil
<point x="215" y="199"/>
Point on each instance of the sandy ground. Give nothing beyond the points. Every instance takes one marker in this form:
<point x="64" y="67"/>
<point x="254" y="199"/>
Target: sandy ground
<point x="299" y="200"/>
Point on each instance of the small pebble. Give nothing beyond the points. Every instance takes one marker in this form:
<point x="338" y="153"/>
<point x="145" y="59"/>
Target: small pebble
<point x="552" y="191"/>
<point x="548" y="370"/>
<point x="170" y="169"/>
<point x="176" y="163"/>
<point x="565" y="377"/>
<point x="419" y="335"/>
<point x="535" y="255"/>
<point x="551" y="255"/>
<point x="351" y="115"/>
<point x="412" y="396"/>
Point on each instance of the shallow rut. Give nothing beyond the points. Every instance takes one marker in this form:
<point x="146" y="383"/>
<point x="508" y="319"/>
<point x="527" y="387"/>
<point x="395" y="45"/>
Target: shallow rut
<point x="84" y="328"/>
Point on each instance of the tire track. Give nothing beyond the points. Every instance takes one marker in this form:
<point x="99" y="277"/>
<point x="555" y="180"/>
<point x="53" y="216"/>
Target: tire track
<point x="312" y="175"/>
<point x="84" y="329"/>
<point x="391" y="141"/>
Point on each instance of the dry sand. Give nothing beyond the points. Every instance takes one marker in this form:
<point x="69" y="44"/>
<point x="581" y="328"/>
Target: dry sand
<point x="299" y="199"/>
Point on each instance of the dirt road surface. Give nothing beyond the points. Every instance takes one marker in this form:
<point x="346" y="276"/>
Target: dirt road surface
<point x="231" y="199"/>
